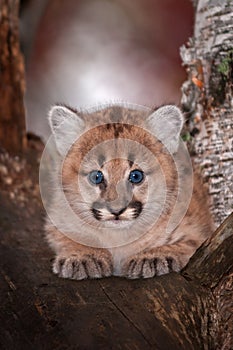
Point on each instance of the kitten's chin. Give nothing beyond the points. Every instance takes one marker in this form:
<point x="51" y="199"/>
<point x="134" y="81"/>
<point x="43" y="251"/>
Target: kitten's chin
<point x="118" y="223"/>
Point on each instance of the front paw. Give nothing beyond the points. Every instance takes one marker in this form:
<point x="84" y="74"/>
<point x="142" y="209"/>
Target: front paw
<point x="152" y="263"/>
<point x="82" y="266"/>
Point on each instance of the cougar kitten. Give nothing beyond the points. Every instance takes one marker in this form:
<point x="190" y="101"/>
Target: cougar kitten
<point x="125" y="201"/>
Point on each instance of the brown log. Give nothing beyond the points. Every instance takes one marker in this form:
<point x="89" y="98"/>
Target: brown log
<point x="12" y="83"/>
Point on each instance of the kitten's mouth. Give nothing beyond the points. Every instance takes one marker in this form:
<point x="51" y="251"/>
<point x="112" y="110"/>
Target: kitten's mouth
<point x="108" y="217"/>
<point x="124" y="215"/>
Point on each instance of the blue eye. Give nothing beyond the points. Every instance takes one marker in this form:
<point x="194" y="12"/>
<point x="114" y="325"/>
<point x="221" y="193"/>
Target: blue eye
<point x="96" y="177"/>
<point x="136" y="176"/>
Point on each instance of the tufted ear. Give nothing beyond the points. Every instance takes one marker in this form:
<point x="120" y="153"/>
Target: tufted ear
<point x="166" y="124"/>
<point x="66" y="127"/>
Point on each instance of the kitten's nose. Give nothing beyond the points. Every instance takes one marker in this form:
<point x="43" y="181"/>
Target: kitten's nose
<point x="117" y="212"/>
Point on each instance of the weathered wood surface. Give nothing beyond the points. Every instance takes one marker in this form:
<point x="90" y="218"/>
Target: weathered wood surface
<point x="38" y="310"/>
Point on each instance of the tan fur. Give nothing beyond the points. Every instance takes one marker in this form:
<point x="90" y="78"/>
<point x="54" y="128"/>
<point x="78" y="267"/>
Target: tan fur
<point x="124" y="143"/>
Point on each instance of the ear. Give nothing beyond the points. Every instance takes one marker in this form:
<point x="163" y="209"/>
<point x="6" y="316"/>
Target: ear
<point x="66" y="127"/>
<point x="166" y="124"/>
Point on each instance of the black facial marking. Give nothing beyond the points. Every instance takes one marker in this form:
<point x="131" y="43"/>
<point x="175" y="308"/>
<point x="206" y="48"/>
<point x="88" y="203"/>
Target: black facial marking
<point x="96" y="213"/>
<point x="138" y="208"/>
<point x="130" y="163"/>
<point x="118" y="129"/>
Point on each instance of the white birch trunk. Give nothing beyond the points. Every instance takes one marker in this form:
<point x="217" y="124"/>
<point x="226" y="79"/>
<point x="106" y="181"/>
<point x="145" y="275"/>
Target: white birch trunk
<point x="207" y="100"/>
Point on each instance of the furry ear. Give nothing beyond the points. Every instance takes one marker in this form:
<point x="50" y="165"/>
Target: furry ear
<point x="166" y="124"/>
<point x="66" y="127"/>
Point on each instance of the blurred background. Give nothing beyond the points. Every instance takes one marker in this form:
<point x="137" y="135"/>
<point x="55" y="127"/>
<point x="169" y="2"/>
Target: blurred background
<point x="87" y="52"/>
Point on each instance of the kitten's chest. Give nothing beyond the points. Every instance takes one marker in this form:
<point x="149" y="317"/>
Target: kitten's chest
<point x="146" y="242"/>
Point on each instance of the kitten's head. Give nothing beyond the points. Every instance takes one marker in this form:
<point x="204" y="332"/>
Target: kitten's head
<point x="118" y="168"/>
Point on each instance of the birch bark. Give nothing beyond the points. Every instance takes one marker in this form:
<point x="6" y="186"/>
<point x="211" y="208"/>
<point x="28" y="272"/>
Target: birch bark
<point x="207" y="100"/>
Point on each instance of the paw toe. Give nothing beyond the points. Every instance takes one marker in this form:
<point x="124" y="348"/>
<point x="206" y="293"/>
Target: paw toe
<point x="143" y="268"/>
<point x="166" y="265"/>
<point x="148" y="268"/>
<point x="57" y="264"/>
<point x="79" y="268"/>
<point x="152" y="266"/>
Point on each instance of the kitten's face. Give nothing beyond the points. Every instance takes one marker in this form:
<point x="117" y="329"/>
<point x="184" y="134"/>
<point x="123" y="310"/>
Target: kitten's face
<point x="118" y="177"/>
<point x="118" y="189"/>
<point x="118" y="181"/>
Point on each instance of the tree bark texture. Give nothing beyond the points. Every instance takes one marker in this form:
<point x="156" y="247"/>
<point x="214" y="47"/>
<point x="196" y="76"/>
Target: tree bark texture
<point x="207" y="100"/>
<point x="12" y="83"/>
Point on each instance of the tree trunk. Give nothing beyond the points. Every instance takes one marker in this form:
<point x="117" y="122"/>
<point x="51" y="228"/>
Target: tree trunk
<point x="207" y="99"/>
<point x="12" y="83"/>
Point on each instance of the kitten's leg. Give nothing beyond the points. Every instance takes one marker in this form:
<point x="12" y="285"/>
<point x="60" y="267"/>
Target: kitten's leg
<point x="159" y="261"/>
<point x="77" y="261"/>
